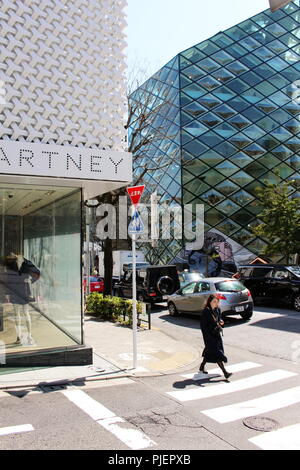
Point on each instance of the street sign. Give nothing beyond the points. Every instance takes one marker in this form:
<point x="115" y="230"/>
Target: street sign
<point x="136" y="225"/>
<point x="276" y="4"/>
<point x="135" y="193"/>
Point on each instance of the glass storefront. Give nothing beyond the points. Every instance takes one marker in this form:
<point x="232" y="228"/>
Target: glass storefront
<point x="40" y="268"/>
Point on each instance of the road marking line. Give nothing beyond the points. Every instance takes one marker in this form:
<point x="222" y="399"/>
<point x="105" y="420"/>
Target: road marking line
<point x="275" y="401"/>
<point x="133" y="438"/>
<point x="287" y="438"/>
<point x="240" y="367"/>
<point x="238" y="385"/>
<point x="16" y="429"/>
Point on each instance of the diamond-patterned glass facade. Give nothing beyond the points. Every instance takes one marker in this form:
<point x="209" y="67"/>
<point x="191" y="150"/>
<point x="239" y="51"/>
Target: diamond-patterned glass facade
<point x="231" y="103"/>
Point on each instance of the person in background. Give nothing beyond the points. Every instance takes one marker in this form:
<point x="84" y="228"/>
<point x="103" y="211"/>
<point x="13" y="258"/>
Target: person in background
<point x="211" y="326"/>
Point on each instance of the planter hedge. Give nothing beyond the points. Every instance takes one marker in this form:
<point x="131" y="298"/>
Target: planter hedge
<point x="110" y="308"/>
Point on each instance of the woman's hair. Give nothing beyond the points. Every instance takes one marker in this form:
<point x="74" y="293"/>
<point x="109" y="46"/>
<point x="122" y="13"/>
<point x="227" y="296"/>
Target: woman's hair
<point x="210" y="298"/>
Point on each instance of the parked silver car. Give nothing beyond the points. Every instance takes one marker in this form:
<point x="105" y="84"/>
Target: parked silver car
<point x="235" y="298"/>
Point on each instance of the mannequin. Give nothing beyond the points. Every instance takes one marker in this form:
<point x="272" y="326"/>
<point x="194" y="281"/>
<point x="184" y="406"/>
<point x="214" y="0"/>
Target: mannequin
<point x="19" y="274"/>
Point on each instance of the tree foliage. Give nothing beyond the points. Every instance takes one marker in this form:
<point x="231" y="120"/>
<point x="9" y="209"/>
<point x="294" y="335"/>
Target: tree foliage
<point x="280" y="218"/>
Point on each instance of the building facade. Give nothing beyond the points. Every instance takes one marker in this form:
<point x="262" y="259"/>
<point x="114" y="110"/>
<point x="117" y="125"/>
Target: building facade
<point x="223" y="118"/>
<point x="62" y="142"/>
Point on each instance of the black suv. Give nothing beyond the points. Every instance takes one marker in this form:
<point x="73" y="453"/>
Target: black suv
<point x="272" y="282"/>
<point x="153" y="283"/>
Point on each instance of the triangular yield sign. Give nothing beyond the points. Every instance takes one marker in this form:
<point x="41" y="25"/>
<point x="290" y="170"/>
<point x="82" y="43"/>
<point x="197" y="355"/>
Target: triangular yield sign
<point x="135" y="193"/>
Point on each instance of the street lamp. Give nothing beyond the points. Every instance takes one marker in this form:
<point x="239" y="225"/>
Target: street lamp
<point x="89" y="204"/>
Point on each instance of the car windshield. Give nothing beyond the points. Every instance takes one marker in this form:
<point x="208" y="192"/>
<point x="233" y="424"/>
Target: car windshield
<point x="295" y="270"/>
<point x="94" y="279"/>
<point x="190" y="277"/>
<point x="229" y="286"/>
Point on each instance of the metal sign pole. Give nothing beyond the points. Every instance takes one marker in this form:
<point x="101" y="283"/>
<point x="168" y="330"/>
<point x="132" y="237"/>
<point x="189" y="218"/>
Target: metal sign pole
<point x="134" y="310"/>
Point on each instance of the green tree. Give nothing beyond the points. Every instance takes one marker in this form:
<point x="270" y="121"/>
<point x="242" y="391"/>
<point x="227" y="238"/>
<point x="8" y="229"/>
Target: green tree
<point x="280" y="218"/>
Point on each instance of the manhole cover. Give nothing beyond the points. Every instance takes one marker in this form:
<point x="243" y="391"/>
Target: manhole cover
<point x="260" y="423"/>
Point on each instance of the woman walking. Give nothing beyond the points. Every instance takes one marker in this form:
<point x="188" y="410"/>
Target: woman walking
<point x="211" y="325"/>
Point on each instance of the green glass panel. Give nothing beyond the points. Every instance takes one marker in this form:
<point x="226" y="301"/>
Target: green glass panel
<point x="184" y="62"/>
<point x="267" y="124"/>
<point x="294" y="162"/>
<point x="222" y="58"/>
<point x="184" y="99"/>
<point x="289" y="39"/>
<point x="192" y="54"/>
<point x="279" y="81"/>
<point x="242" y="197"/>
<point x="212" y="197"/>
<point x="210" y="119"/>
<point x="242" y="217"/>
<point x="227" y="187"/>
<point x="251" y="61"/>
<point x="275" y="29"/>
<point x="253" y="187"/>
<point x="237" y="68"/>
<point x="209" y="101"/>
<point x="269" y="161"/>
<point x="241" y="178"/>
<point x="213" y="217"/>
<point x="252" y="95"/>
<point x="224" y="111"/>
<point x="239" y="121"/>
<point x="288" y="23"/>
<point x="254" y="207"/>
<point x="208" y="65"/>
<point x="225" y="130"/>
<point x="280" y="98"/>
<point x="211" y="158"/>
<point x="222" y="40"/>
<point x="240" y="140"/>
<point x="264" y="53"/>
<point x="266" y="106"/>
<point x="185" y="118"/>
<point x="185" y="137"/>
<point x="280" y="116"/>
<point x="236" y="33"/>
<point x="227" y="168"/>
<point x="293" y="125"/>
<point x="224" y="93"/>
<point x="268" y="142"/>
<point x="265" y="71"/>
<point x="284" y="170"/>
<point x="189" y="197"/>
<point x="209" y="83"/>
<point x="249" y="43"/>
<point x="270" y="177"/>
<point x="254" y="132"/>
<point x="195" y="148"/>
<point x="277" y="64"/>
<point x="277" y="47"/>
<point x="263" y="36"/>
<point x="296" y="16"/>
<point x="266" y="88"/>
<point x="243" y="236"/>
<point x="253" y="114"/>
<point x="193" y="72"/>
<point x="193" y="186"/>
<point x="262" y="20"/>
<point x="293" y="144"/>
<point x="292" y="108"/>
<point x="195" y="128"/>
<point x="225" y="149"/>
<point x="212" y="177"/>
<point x="282" y="152"/>
<point x="211" y="139"/>
<point x="249" y="26"/>
<point x="236" y="51"/>
<point x="223" y="75"/>
<point x="195" y="109"/>
<point x="238" y="86"/>
<point x="251" y="78"/>
<point x="186" y="177"/>
<point x="281" y="134"/>
<point x="208" y="47"/>
<point x="228" y="227"/>
<point x="228" y="207"/>
<point x="194" y="91"/>
<point x="239" y="104"/>
<point x="241" y="159"/>
<point x="290" y="8"/>
<point x="257" y="246"/>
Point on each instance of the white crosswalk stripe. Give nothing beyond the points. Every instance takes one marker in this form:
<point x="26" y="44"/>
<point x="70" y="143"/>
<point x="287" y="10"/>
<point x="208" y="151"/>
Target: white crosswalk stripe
<point x="239" y="367"/>
<point x="16" y="429"/>
<point x="287" y="438"/>
<point x="236" y="386"/>
<point x="124" y="431"/>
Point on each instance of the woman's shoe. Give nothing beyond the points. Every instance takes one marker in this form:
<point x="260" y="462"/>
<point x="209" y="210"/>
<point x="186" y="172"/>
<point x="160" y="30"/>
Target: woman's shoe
<point x="227" y="375"/>
<point x="201" y="369"/>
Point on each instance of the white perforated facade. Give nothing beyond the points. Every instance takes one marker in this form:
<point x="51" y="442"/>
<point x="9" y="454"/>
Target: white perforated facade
<point x="62" y="72"/>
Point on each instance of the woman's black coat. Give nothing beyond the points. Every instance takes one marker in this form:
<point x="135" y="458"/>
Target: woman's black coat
<point x="214" y="350"/>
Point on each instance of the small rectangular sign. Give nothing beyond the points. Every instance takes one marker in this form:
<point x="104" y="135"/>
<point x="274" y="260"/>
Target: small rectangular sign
<point x="62" y="161"/>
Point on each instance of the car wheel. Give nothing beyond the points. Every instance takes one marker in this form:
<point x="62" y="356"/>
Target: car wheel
<point x="246" y="315"/>
<point x="172" y="310"/>
<point x="296" y="302"/>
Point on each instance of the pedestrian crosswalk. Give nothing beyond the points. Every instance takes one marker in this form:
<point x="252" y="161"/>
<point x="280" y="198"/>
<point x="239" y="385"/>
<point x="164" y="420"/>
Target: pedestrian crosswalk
<point x="283" y="438"/>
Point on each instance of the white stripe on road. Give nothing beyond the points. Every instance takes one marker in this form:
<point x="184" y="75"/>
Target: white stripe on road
<point x="16" y="429"/>
<point x="133" y="438"/>
<point x="238" y="385"/>
<point x="240" y="367"/>
<point x="287" y="438"/>
<point x="275" y="401"/>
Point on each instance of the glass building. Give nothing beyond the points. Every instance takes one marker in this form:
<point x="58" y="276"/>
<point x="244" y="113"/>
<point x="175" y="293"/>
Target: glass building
<point x="223" y="118"/>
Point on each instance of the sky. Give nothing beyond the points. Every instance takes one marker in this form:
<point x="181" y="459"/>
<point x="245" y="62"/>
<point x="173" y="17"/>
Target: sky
<point x="159" y="29"/>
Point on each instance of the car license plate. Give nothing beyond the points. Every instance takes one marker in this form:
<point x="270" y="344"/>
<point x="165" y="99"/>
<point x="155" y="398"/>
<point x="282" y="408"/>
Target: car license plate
<point x="97" y="287"/>
<point x="239" y="309"/>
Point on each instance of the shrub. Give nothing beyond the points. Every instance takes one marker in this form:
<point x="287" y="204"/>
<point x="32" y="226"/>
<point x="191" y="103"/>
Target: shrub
<point x="114" y="309"/>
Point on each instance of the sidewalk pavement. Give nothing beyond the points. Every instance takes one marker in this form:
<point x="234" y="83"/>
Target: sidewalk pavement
<point x="158" y="354"/>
